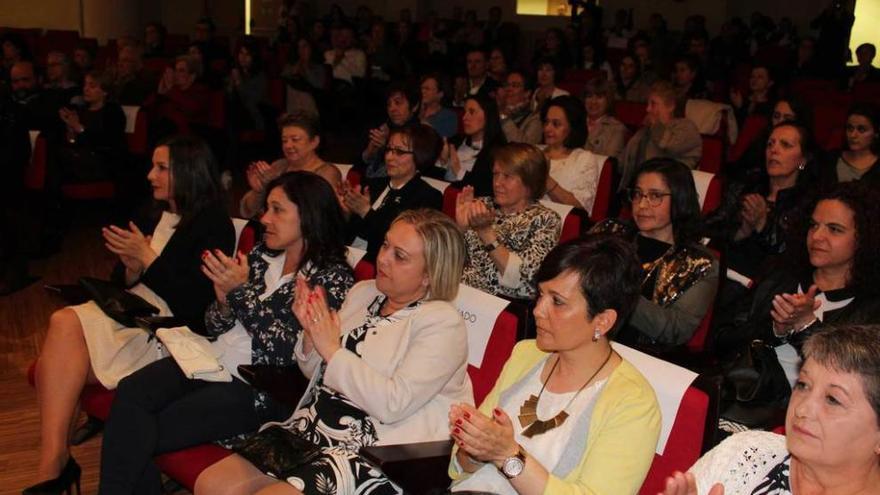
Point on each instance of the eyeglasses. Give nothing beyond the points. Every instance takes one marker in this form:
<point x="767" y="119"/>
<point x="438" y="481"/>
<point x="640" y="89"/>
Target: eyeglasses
<point x="398" y="151"/>
<point x="654" y="197"/>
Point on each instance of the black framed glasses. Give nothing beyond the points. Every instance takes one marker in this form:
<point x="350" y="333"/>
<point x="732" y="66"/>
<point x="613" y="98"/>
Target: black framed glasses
<point x="398" y="151"/>
<point x="654" y="197"/>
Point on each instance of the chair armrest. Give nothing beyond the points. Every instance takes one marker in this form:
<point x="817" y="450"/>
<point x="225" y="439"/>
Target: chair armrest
<point x="285" y="384"/>
<point x="415" y="467"/>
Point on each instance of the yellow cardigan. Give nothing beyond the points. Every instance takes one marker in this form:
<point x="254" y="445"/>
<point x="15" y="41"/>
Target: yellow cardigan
<point x="622" y="436"/>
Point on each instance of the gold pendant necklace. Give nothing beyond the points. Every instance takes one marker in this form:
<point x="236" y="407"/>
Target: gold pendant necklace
<point x="528" y="412"/>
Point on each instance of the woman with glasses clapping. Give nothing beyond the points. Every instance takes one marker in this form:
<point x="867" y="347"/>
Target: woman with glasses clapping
<point x="410" y="150"/>
<point x="679" y="276"/>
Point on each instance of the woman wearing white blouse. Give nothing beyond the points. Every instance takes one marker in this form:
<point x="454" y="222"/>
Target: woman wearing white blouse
<point x="574" y="171"/>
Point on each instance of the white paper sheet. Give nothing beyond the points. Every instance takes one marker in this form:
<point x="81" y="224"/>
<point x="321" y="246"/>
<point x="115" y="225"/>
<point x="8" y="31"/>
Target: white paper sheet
<point x="480" y="311"/>
<point x="353" y="256"/>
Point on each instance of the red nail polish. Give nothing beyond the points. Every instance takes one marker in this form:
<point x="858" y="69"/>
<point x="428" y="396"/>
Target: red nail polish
<point x="497" y="411"/>
<point x="458" y="422"/>
<point x="467" y="415"/>
<point x="456" y="431"/>
<point x="461" y="444"/>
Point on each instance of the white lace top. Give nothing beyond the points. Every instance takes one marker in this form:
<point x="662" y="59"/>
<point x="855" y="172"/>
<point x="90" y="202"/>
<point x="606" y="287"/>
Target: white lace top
<point x="579" y="174"/>
<point x="751" y="462"/>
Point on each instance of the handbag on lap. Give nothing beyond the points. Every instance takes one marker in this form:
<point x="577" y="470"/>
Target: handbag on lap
<point x="116" y="302"/>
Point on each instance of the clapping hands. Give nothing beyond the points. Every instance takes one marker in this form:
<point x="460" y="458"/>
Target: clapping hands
<point x="685" y="484"/>
<point x="484" y="439"/>
<point x="471" y="213"/>
<point x="321" y="326"/>
<point x="132" y="247"/>
<point x="225" y="272"/>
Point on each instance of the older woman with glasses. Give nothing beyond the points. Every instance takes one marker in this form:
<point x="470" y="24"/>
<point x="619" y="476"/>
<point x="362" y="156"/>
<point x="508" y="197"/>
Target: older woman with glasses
<point x="374" y="206"/>
<point x="520" y="123"/>
<point x="832" y="430"/>
<point x="679" y="276"/>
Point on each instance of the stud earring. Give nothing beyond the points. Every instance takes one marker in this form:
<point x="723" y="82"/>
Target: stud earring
<point x="802" y="165"/>
<point x="596" y="335"/>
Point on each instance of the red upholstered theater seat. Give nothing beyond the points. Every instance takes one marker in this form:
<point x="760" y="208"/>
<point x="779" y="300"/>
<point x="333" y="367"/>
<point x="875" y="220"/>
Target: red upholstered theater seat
<point x="364" y="270"/>
<point x="604" y="192"/>
<point x="185" y="466"/>
<point x="631" y="113"/>
<point x="713" y="154"/>
<point x="500" y="345"/>
<point x="753" y="128"/>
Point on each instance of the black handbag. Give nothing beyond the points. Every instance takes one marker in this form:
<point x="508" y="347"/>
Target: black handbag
<point x="117" y="303"/>
<point x="756" y="390"/>
<point x="277" y="451"/>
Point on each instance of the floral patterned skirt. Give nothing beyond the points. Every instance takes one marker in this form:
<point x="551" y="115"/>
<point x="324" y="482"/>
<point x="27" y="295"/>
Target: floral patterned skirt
<point x="331" y="421"/>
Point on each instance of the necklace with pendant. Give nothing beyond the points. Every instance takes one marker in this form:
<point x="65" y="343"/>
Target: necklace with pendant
<point x="528" y="412"/>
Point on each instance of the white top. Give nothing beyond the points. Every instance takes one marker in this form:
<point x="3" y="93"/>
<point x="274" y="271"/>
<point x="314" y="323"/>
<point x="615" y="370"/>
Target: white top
<point x="353" y="64"/>
<point x="545" y="448"/>
<point x="233" y="347"/>
<point x="556" y="92"/>
<point x="467" y="156"/>
<point x="579" y="173"/>
<point x="740" y="462"/>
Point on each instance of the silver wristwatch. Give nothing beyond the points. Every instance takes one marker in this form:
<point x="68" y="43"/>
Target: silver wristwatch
<point x="513" y="466"/>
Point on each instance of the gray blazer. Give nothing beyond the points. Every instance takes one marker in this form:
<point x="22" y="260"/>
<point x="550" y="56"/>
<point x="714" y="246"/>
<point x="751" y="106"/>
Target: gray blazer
<point x="529" y="130"/>
<point x="679" y="139"/>
<point x="608" y="138"/>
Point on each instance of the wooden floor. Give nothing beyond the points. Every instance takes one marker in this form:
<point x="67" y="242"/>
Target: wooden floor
<point x="23" y="318"/>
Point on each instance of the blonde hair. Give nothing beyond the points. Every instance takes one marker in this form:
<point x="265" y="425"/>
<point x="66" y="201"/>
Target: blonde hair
<point x="444" y="251"/>
<point x="526" y="162"/>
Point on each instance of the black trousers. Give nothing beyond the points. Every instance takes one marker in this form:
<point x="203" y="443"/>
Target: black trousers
<point x="156" y="410"/>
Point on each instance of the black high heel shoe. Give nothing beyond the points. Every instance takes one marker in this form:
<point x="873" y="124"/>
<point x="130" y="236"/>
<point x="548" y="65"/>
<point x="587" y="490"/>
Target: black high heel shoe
<point x="64" y="483"/>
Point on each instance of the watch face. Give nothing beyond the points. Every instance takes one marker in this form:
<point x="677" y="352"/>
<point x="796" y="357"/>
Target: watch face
<point x="512" y="466"/>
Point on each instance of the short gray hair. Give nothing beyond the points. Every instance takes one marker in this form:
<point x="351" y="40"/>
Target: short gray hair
<point x="851" y="349"/>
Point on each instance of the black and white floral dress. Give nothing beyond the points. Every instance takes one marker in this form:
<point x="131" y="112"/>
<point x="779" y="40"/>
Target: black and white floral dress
<point x="333" y="422"/>
<point x="528" y="235"/>
<point x="747" y="463"/>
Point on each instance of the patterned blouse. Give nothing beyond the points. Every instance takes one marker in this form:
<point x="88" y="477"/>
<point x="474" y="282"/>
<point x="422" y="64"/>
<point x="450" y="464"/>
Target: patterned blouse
<point x="270" y="321"/>
<point x="747" y="463"/>
<point x="529" y="235"/>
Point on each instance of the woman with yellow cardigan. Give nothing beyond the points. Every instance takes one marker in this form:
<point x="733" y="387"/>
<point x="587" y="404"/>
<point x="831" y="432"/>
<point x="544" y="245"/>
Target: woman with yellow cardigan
<point x="567" y="415"/>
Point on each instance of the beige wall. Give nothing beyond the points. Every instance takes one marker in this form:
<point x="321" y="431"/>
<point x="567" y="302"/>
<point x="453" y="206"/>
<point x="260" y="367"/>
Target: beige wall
<point x="51" y="14"/>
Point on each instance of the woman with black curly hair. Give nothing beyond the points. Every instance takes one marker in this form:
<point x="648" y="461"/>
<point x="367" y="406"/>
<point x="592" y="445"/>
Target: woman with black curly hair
<point x="829" y="278"/>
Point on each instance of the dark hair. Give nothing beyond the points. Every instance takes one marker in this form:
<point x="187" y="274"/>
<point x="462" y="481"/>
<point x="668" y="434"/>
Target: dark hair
<point x="573" y="108"/>
<point x="443" y="85"/>
<point x="803" y="113"/>
<point x="552" y="62"/>
<point x="476" y="49"/>
<point x="850" y="349"/>
<point x="320" y="217"/>
<point x="608" y="270"/>
<point x="426" y="144"/>
<point x="867" y="46"/>
<point x="809" y="149"/>
<point x="105" y="80"/>
<point x="18" y="41"/>
<point x="861" y="200"/>
<point x="250" y="44"/>
<point x="493" y="135"/>
<point x="684" y="211"/>
<point x="528" y="82"/>
<point x="303" y="120"/>
<point x="195" y="182"/>
<point x="412" y="96"/>
<point x="872" y="113"/>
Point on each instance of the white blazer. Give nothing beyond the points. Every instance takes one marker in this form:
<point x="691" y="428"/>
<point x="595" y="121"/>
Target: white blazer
<point x="409" y="373"/>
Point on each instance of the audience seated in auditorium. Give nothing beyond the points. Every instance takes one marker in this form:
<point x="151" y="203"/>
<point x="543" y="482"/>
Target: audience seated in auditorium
<point x="574" y="171"/>
<point x="386" y="63"/>
<point x="90" y="147"/>
<point x="831" y="439"/>
<point x="629" y="81"/>
<point x="520" y="123"/>
<point x="401" y="107"/>
<point x="605" y="134"/>
<point x="827" y="278"/>
<point x="498" y="66"/>
<point x="478" y="81"/>
<point x="751" y="165"/>
<point x="179" y="98"/>
<point x="160" y="261"/>
<point x="300" y="140"/>
<point x="386" y="368"/>
<point x="432" y="108"/>
<point x="554" y="48"/>
<point x="467" y="158"/>
<point x="509" y="233"/>
<point x="690" y="82"/>
<point x="586" y="290"/>
<point x="374" y="205"/>
<point x="58" y="73"/>
<point x="158" y="409"/>
<point x="753" y="220"/>
<point x="663" y="135"/>
<point x="547" y="75"/>
<point x="306" y="76"/>
<point x="132" y="85"/>
<point x="247" y="87"/>
<point x="680" y="276"/>
<point x="15" y="50"/>
<point x="761" y="96"/>
<point x="83" y="61"/>
<point x="348" y="61"/>
<point x="858" y="161"/>
<point x="154" y="40"/>
<point x="34" y="110"/>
